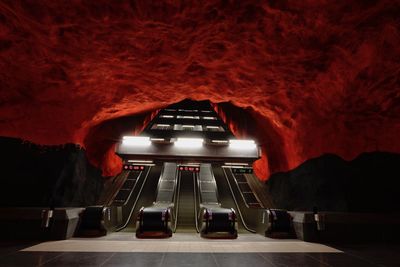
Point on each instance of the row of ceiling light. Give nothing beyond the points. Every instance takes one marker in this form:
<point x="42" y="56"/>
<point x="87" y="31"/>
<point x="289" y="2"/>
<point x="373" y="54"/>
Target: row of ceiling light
<point x="186" y="142"/>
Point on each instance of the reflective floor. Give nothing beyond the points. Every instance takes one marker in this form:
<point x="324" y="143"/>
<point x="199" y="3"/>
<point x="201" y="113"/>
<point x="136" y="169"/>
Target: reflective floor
<point x="123" y="249"/>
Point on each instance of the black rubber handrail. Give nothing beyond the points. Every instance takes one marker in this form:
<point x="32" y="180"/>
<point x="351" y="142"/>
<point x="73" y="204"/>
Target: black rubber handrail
<point x="195" y="203"/>
<point x="134" y="204"/>
<point x="237" y="205"/>
<point x="176" y="205"/>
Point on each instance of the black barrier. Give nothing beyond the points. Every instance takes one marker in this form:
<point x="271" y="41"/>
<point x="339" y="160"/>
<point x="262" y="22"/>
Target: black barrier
<point x="153" y="222"/>
<point x="92" y="222"/>
<point x="219" y="221"/>
<point x="279" y="223"/>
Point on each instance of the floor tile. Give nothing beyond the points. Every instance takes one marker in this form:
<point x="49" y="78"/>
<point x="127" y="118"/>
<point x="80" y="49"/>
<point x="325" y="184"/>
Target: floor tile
<point x="135" y="259"/>
<point x="28" y="258"/>
<point x="79" y="259"/>
<point x="241" y="259"/>
<point x="291" y="259"/>
<point x="341" y="259"/>
<point x="381" y="254"/>
<point x="189" y="259"/>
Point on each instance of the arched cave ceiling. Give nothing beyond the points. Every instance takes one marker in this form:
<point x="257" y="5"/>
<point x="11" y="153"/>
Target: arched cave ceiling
<point x="323" y="76"/>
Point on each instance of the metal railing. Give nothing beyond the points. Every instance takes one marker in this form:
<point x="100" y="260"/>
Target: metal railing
<point x="237" y="205"/>
<point x="136" y="200"/>
<point x="196" y="202"/>
<point x="176" y="203"/>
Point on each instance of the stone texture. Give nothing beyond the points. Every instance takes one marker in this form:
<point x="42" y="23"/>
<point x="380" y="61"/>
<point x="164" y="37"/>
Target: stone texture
<point x="316" y="76"/>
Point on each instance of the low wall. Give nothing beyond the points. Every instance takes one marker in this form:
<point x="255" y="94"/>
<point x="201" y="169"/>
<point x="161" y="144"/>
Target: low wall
<point x="30" y="223"/>
<point x="346" y="227"/>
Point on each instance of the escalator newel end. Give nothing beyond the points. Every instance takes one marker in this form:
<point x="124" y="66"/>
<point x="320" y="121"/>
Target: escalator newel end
<point x="153" y="222"/>
<point x="219" y="223"/>
<point x="91" y="222"/>
<point x="280" y="224"/>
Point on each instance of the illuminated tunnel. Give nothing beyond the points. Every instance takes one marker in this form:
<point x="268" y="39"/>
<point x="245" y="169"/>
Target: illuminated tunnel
<point x="303" y="85"/>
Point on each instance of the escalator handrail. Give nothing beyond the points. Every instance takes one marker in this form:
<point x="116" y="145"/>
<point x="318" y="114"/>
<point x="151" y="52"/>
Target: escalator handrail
<point x="195" y="202"/>
<point x="237" y="205"/>
<point x="241" y="193"/>
<point x="134" y="187"/>
<point x="176" y="204"/>
<point x="215" y="188"/>
<point x="134" y="204"/>
<point x="112" y="197"/>
<point x="161" y="179"/>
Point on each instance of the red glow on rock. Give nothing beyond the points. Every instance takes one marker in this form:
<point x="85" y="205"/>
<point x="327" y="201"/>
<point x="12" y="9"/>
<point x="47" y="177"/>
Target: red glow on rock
<point x="312" y="76"/>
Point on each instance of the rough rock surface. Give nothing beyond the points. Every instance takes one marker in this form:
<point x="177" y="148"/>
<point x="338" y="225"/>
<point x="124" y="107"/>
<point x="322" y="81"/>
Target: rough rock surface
<point x="318" y="76"/>
<point x="44" y="176"/>
<point x="369" y="183"/>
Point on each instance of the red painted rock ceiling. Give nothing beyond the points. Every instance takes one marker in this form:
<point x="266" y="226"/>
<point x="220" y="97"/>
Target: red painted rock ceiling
<point x="310" y="77"/>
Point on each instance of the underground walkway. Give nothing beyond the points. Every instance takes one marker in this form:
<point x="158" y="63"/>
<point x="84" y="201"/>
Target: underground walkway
<point x="123" y="249"/>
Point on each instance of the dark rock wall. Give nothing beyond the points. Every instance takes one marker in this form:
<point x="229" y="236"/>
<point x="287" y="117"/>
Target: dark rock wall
<point x="322" y="76"/>
<point x="33" y="175"/>
<point x="369" y="183"/>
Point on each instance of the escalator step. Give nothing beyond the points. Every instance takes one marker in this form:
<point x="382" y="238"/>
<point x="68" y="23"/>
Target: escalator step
<point x="250" y="198"/>
<point x="240" y="178"/>
<point x="129" y="184"/>
<point x="245" y="188"/>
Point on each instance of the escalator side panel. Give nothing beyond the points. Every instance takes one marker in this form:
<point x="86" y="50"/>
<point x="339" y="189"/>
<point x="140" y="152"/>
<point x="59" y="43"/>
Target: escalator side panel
<point x="146" y="197"/>
<point x="186" y="213"/>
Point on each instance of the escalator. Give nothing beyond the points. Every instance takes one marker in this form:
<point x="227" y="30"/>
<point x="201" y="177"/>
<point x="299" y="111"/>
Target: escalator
<point x="216" y="221"/>
<point x="225" y="195"/>
<point x="144" y="197"/>
<point x="154" y="218"/>
<point x="119" y="202"/>
<point x="126" y="190"/>
<point x="183" y="201"/>
<point x="186" y="219"/>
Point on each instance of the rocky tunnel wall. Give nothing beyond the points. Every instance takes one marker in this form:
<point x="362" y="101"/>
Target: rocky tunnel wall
<point x="314" y="77"/>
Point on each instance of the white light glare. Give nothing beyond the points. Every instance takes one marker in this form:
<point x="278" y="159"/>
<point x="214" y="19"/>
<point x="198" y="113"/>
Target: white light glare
<point x="158" y="139"/>
<point x="189" y="142"/>
<point x="236" y="163"/>
<point x="219" y="141"/>
<point x="136" y="140"/>
<point x="242" y="144"/>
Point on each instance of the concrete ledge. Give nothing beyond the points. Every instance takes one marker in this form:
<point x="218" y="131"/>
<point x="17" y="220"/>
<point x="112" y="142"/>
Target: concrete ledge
<point x="30" y="223"/>
<point x="346" y="227"/>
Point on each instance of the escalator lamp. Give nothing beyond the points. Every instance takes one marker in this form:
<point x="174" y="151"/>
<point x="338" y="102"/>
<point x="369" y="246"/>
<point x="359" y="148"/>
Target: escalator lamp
<point x="136" y="140"/>
<point x="189" y="142"/>
<point x="242" y="144"/>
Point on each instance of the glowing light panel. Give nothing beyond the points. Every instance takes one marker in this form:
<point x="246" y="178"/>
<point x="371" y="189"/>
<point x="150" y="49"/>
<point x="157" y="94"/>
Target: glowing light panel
<point x="189" y="142"/>
<point x="136" y="140"/>
<point x="242" y="144"/>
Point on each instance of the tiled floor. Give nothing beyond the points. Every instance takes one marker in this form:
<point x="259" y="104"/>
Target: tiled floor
<point x="189" y="250"/>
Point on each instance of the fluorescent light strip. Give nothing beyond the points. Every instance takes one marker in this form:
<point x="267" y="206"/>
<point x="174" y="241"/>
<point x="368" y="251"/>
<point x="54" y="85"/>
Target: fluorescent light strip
<point x="136" y="140"/>
<point x="212" y="127"/>
<point x="157" y="139"/>
<point x="167" y="116"/>
<point x="232" y="166"/>
<point x="189" y="142"/>
<point x="140" y="161"/>
<point x="219" y="141"/>
<point x="242" y="144"/>
<point x="234" y="163"/>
